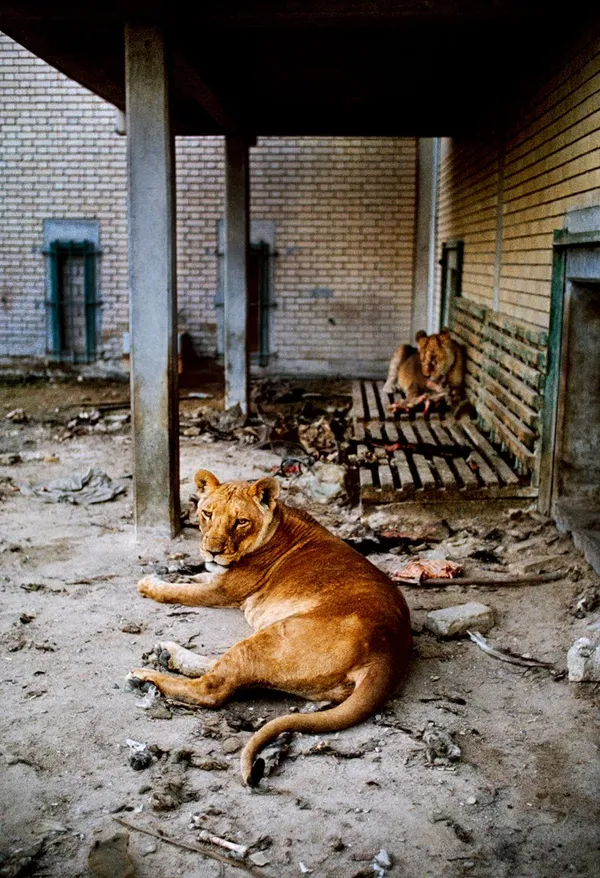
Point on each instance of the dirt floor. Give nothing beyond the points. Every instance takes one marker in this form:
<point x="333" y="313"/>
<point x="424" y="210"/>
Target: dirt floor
<point x="476" y="767"/>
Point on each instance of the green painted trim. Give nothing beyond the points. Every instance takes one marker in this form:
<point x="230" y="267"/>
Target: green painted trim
<point x="549" y="411"/>
<point x="54" y="300"/>
<point x="89" y="268"/>
<point x="564" y="238"/>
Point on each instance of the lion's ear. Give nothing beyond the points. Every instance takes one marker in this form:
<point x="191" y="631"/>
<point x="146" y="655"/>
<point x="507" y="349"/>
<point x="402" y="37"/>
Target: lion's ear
<point x="445" y="331"/>
<point x="420" y="338"/>
<point x="205" y="482"/>
<point x="266" y="491"/>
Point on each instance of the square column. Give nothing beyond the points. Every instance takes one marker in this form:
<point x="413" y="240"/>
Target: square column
<point x="153" y="295"/>
<point x="237" y="210"/>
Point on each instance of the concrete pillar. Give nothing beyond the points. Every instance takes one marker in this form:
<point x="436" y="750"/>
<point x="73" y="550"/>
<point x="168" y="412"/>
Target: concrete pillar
<point x="237" y="225"/>
<point x="153" y="297"/>
<point x="423" y="311"/>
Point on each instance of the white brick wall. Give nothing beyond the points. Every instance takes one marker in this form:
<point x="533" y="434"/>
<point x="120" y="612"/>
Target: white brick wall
<point x="343" y="211"/>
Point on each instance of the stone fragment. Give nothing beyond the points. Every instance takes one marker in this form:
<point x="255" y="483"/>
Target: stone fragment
<point x="324" y="482"/>
<point x="583" y="661"/>
<point x="108" y="857"/>
<point x="457" y="620"/>
<point x="231" y="745"/>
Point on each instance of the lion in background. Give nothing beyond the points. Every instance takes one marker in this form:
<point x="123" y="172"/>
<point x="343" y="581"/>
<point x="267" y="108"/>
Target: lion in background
<point x="436" y="366"/>
<point x="329" y="625"/>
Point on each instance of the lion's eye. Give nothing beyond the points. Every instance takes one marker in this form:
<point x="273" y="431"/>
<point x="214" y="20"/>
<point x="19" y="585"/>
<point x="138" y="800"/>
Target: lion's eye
<point x="240" y="522"/>
<point x="206" y="514"/>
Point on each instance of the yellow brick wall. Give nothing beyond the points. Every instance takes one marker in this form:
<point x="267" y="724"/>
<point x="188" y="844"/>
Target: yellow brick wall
<point x="546" y="162"/>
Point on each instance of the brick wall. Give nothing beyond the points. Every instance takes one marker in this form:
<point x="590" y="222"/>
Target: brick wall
<point x="61" y="158"/>
<point x="505" y="193"/>
<point x="342" y="211"/>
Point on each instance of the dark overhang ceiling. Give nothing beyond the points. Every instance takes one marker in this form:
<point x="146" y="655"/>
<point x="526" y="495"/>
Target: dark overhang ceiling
<point x="310" y="67"/>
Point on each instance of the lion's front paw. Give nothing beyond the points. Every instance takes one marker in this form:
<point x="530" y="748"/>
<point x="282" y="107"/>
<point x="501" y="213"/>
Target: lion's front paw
<point x="151" y="586"/>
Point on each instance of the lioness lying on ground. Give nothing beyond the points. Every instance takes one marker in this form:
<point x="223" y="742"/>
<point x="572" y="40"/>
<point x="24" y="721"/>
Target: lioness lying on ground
<point x="437" y="366"/>
<point x="329" y="625"/>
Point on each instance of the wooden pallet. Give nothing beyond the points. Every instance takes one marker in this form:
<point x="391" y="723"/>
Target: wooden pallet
<point x="506" y="372"/>
<point x="474" y="470"/>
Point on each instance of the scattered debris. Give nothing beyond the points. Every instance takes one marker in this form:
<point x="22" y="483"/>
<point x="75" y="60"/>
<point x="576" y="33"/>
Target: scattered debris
<point x="324" y="482"/>
<point x="238" y="850"/>
<point x="506" y="655"/>
<point x="17" y="416"/>
<point x="93" y="486"/>
<point x="207" y="852"/>
<point x="108" y="856"/>
<point x="382" y="863"/>
<point x="10" y="459"/>
<point x="324" y="748"/>
<point x="317" y="438"/>
<point x="583" y="661"/>
<point x="440" y="747"/>
<point x="428" y="569"/>
<point x="487" y="581"/>
<point x="15" y="863"/>
<point x="140" y="755"/>
<point x="273" y="755"/>
<point x="586" y="602"/>
<point x="210" y="763"/>
<point x="373" y="543"/>
<point x="159" y="711"/>
<point x="172" y="789"/>
<point x="455" y="621"/>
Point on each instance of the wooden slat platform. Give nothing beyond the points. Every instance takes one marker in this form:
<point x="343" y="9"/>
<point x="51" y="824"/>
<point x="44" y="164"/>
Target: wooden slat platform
<point x="466" y="465"/>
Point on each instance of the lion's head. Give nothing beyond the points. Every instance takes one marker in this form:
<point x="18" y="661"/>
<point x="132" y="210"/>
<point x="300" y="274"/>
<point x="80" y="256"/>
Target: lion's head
<point x="235" y="518"/>
<point x="437" y="354"/>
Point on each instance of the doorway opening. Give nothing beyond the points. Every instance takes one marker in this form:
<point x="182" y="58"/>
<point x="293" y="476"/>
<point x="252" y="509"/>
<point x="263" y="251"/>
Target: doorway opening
<point x="572" y="452"/>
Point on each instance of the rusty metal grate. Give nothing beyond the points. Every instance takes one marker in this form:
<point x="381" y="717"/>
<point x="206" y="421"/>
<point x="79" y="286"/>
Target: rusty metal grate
<point x="430" y="456"/>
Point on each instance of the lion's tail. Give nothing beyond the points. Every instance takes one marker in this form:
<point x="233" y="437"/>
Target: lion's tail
<point x="370" y="691"/>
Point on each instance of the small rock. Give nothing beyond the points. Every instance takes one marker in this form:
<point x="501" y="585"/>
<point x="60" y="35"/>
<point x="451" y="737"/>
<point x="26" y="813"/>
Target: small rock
<point x="259" y="859"/>
<point x="131" y="628"/>
<point x="472" y="800"/>
<point x="324" y="482"/>
<point x="148" y="848"/>
<point x="383" y="859"/>
<point x="583" y="661"/>
<point x="457" y="620"/>
<point x="17" y="416"/>
<point x="231" y="745"/>
<point x="10" y="459"/>
<point x="159" y="711"/>
<point x="108" y="857"/>
<point x="140" y="757"/>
